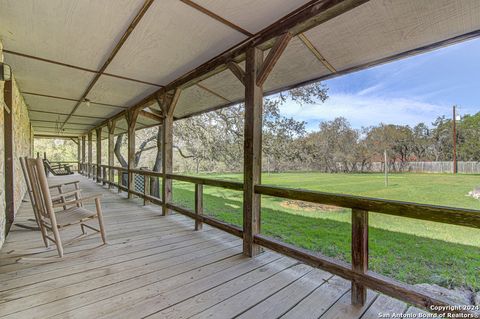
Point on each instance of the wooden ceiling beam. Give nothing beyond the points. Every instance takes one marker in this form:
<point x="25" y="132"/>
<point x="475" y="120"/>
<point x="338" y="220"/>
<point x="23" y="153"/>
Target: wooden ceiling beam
<point x="151" y="116"/>
<point x="272" y="58"/>
<point x="217" y="17"/>
<point x="237" y="71"/>
<point x="171" y="101"/>
<point x="306" y="17"/>
<point x="112" y="55"/>
<point x="155" y="111"/>
<point x="316" y="52"/>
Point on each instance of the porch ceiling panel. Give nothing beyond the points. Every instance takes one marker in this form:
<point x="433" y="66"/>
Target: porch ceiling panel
<point x="226" y="85"/>
<point x="46" y="78"/>
<point x="146" y="122"/>
<point x="297" y="64"/>
<point x="196" y="98"/>
<point x="174" y="37"/>
<point x="78" y="32"/>
<point x="40" y="103"/>
<point x="251" y="15"/>
<point x="41" y="116"/>
<point x="97" y="110"/>
<point x="105" y="135"/>
<point x="120" y="92"/>
<point x="121" y="126"/>
<point x="171" y="39"/>
<point x="362" y="37"/>
<point x="68" y="126"/>
<point x="380" y="29"/>
<point x="70" y="131"/>
<point x="75" y="126"/>
<point x="86" y="120"/>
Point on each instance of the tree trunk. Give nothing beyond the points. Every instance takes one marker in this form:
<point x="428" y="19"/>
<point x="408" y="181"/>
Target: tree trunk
<point x="120" y="158"/>
<point x="154" y="183"/>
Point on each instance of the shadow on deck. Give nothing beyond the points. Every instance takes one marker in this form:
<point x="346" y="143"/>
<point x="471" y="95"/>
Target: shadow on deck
<point x="159" y="267"/>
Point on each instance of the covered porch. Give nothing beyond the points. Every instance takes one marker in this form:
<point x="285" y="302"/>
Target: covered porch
<point x="116" y="69"/>
<point x="158" y="267"/>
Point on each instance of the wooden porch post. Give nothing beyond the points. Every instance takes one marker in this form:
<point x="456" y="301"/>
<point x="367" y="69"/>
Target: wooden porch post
<point x="131" y="121"/>
<point x="359" y="253"/>
<point x="8" y="147"/>
<point x="111" y="154"/>
<point x="79" y="155"/>
<point x="257" y="71"/>
<point x="252" y="151"/>
<point x="90" y="154"/>
<point x="99" y="152"/>
<point x="84" y="146"/>
<point x="168" y="107"/>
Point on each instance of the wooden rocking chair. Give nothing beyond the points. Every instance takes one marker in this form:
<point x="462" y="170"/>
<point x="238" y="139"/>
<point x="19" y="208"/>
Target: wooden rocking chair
<point x="57" y="169"/>
<point x="57" y="198"/>
<point x="69" y="212"/>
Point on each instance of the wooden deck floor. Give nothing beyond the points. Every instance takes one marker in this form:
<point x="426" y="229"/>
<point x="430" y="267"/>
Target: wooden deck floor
<point x="158" y="267"/>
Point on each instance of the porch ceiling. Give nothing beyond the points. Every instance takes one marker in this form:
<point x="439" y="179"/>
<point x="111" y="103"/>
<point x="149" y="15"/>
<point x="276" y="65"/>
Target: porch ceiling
<point x="64" y="51"/>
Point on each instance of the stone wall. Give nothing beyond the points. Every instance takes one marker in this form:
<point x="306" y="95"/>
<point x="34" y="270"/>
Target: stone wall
<point x="22" y="142"/>
<point x="2" y="160"/>
<point x="22" y="137"/>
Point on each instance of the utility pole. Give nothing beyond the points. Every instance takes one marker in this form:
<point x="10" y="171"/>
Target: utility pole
<point x="454" y="119"/>
<point x="385" y="166"/>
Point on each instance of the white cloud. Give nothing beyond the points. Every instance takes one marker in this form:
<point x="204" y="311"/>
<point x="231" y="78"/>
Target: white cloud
<point x="364" y="110"/>
<point x="370" y="89"/>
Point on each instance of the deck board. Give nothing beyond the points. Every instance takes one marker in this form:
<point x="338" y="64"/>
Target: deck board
<point x="158" y="267"/>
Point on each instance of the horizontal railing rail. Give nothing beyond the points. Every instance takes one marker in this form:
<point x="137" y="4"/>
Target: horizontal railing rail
<point x="75" y="167"/>
<point x="441" y="214"/>
<point x="357" y="271"/>
<point x="63" y="162"/>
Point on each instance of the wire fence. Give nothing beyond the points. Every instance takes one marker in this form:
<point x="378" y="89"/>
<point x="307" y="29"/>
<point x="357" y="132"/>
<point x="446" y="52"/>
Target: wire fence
<point x="428" y="167"/>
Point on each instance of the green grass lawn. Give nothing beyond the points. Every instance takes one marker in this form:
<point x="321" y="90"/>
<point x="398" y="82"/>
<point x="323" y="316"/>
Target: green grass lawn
<point x="409" y="250"/>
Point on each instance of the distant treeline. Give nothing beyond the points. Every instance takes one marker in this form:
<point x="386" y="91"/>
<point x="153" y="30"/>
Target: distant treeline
<point x="213" y="141"/>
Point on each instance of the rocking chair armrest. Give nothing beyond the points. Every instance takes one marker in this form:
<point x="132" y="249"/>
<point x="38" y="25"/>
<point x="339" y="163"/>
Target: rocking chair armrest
<point x="71" y="183"/>
<point x="66" y="194"/>
<point x="64" y="184"/>
<point x="78" y="201"/>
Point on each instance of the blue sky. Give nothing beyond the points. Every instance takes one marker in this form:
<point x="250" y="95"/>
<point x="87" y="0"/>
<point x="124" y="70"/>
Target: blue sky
<point x="408" y="91"/>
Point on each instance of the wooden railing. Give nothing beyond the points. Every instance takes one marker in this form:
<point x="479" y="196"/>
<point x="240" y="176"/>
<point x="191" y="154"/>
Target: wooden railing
<point x="76" y="164"/>
<point x="357" y="272"/>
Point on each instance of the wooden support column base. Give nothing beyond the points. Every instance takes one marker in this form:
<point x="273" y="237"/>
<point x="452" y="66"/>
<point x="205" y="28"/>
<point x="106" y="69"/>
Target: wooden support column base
<point x="252" y="151"/>
<point x="359" y="253"/>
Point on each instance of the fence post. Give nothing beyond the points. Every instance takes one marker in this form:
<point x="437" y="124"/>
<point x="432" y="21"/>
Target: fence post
<point x="111" y="176"/>
<point x="90" y="153"/>
<point x="119" y="180"/>
<point x="104" y="174"/>
<point x="131" y="117"/>
<point x="252" y="151"/>
<point x="111" y="148"/>
<point x="168" y="107"/>
<point x="99" y="154"/>
<point x="198" y="205"/>
<point x="359" y="253"/>
<point x="146" y="189"/>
